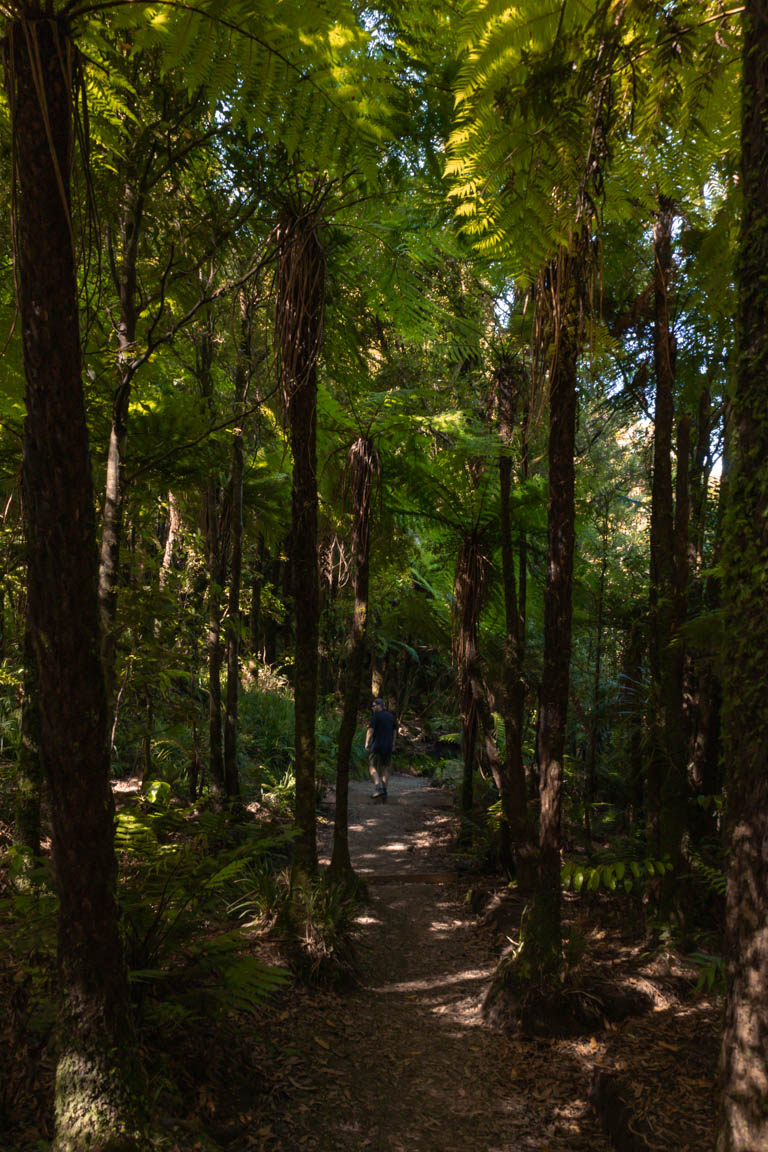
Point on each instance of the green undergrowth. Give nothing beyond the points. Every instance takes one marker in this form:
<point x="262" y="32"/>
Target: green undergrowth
<point x="314" y="917"/>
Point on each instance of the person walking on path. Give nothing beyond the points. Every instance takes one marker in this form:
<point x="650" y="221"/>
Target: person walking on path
<point x="380" y="742"/>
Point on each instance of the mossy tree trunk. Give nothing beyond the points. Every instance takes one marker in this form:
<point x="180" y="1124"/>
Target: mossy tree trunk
<point x="362" y="469"/>
<point x="299" y="325"/>
<point x="744" y="1056"/>
<point x="97" y="1078"/>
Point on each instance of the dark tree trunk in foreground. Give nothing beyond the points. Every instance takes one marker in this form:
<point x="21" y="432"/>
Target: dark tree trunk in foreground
<point x="363" y="467"/>
<point x="299" y="322"/>
<point x="544" y="926"/>
<point x="96" y="1076"/>
<point x="744" y="1057"/>
<point x="513" y="790"/>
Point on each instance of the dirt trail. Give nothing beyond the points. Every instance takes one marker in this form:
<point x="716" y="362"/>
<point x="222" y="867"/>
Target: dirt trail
<point x="403" y="1062"/>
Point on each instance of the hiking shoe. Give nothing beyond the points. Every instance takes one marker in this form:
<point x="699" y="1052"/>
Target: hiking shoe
<point x="384" y="795"/>
<point x="379" y="792"/>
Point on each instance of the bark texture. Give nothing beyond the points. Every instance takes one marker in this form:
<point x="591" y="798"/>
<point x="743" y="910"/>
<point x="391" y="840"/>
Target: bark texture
<point x="96" y="1080"/>
<point x="299" y="322"/>
<point x="125" y="276"/>
<point x="545" y="922"/>
<point x="231" y="773"/>
<point x="215" y="522"/>
<point x="513" y="785"/>
<point x="363" y="468"/>
<point x="469" y="588"/>
<point x="667" y="780"/>
<point x="744" y="1057"/>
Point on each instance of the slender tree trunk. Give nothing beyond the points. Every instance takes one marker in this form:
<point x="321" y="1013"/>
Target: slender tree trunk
<point x="174" y="529"/>
<point x="97" y="1076"/>
<point x="513" y="783"/>
<point x="149" y="722"/>
<point x="674" y="790"/>
<point x="231" y="773"/>
<point x="215" y="653"/>
<point x="255" y="627"/>
<point x="468" y="598"/>
<point x="363" y="466"/>
<point x="701" y="685"/>
<point x="666" y="795"/>
<point x="300" y="300"/>
<point x="744" y="1056"/>
<point x="545" y="923"/>
<point x="29" y="771"/>
<point x="214" y="518"/>
<point x="594" y="720"/>
<point x="631" y="707"/>
<point x="114" y="491"/>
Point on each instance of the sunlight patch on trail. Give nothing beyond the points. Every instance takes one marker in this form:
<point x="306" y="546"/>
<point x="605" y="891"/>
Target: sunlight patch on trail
<point x="440" y="981"/>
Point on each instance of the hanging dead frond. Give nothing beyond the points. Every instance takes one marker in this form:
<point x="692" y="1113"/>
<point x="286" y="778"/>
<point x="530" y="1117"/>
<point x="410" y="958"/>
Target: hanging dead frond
<point x="300" y="286"/>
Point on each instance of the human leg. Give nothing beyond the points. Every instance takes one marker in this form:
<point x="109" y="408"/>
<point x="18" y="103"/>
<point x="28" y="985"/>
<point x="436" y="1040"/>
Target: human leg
<point x="384" y="762"/>
<point x="373" y="768"/>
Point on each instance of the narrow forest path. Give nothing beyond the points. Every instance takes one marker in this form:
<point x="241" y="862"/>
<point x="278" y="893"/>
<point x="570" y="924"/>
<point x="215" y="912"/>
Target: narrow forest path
<point x="403" y="1063"/>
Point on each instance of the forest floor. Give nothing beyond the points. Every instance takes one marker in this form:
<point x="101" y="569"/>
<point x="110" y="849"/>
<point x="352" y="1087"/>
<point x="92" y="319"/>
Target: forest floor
<point x="403" y="1061"/>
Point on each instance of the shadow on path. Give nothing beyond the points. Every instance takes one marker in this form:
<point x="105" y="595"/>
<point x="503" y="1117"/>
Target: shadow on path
<point x="403" y="1063"/>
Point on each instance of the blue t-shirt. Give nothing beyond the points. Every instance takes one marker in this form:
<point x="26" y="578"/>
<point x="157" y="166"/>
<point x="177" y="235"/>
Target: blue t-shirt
<point x="383" y="725"/>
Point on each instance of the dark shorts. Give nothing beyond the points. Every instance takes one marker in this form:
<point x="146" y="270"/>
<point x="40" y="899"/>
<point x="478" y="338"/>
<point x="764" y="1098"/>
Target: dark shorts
<point x="379" y="760"/>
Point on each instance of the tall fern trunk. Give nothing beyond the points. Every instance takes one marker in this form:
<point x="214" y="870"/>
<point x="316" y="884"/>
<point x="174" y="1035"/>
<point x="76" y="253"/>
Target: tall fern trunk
<point x="513" y="787"/>
<point x="594" y="720"/>
<point x="214" y="517"/>
<point x="231" y="773"/>
<point x="114" y="489"/>
<point x="629" y="703"/>
<point x="363" y="467"/>
<point x="544" y="928"/>
<point x="97" y="1069"/>
<point x="468" y="597"/>
<point x="744" y="1055"/>
<point x="299" y="322"/>
<point x="213" y="640"/>
<point x="674" y="791"/>
<point x="667" y="752"/>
